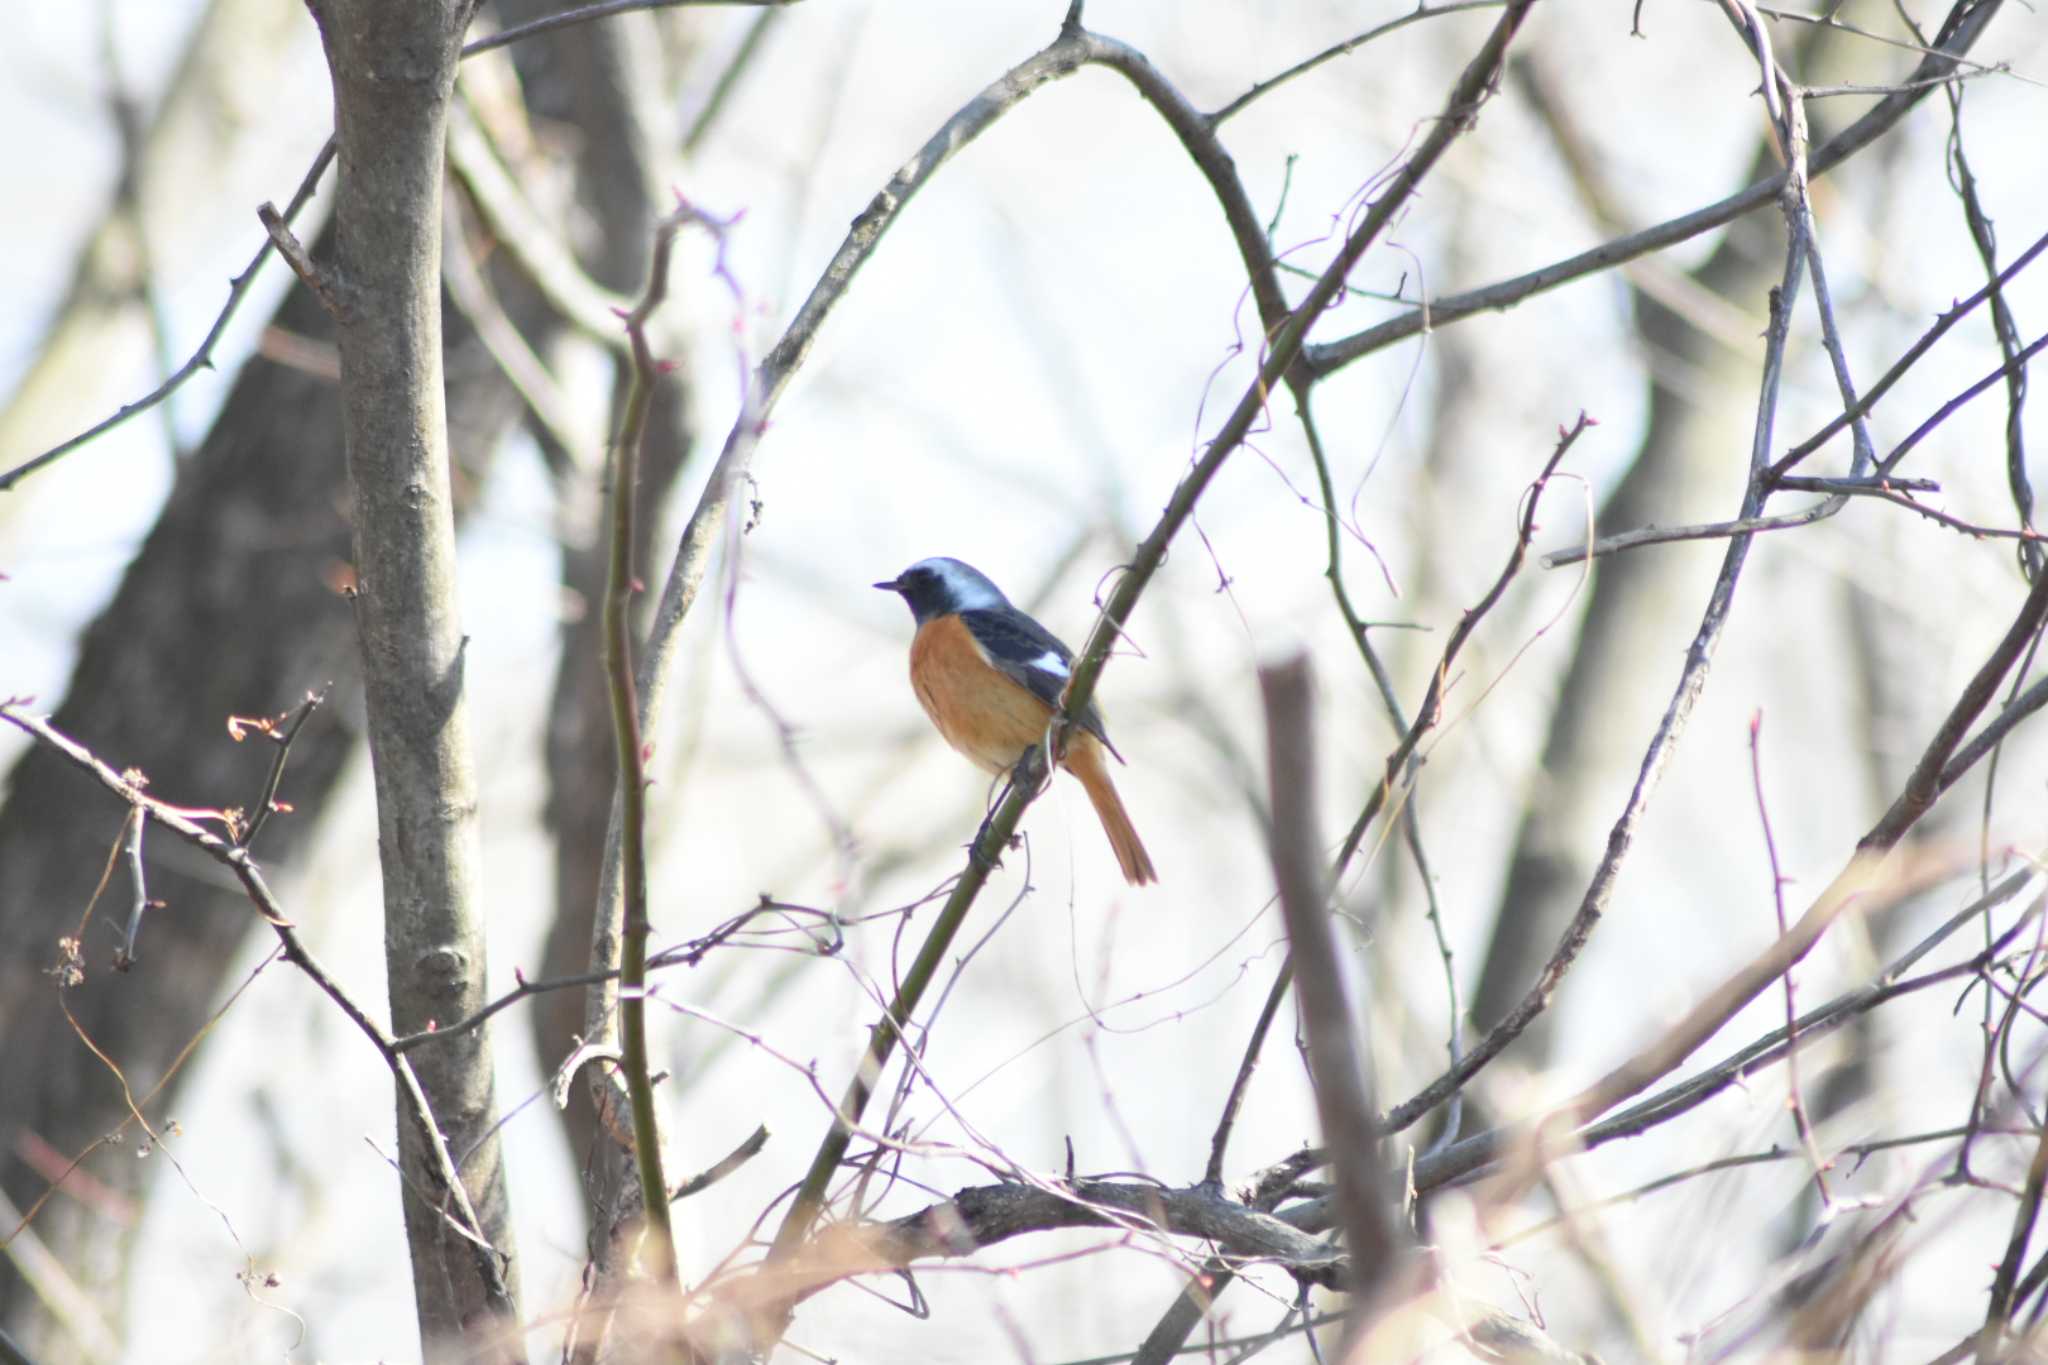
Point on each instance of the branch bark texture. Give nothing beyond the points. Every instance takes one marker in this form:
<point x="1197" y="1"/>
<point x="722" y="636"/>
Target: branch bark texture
<point x="1331" y="1020"/>
<point x="393" y="67"/>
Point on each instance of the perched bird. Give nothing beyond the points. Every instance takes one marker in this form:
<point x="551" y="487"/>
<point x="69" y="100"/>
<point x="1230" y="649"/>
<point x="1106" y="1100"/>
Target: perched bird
<point x="990" y="677"/>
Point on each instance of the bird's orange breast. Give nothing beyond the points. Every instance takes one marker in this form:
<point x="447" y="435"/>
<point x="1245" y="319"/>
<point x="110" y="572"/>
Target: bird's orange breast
<point x="977" y="708"/>
<point x="992" y="719"/>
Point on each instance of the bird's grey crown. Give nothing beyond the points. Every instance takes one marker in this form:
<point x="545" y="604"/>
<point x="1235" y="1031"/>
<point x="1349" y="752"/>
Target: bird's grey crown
<point x="965" y="587"/>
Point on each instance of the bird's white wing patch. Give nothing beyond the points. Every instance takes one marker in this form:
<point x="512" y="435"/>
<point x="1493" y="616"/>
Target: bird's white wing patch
<point x="1051" y="663"/>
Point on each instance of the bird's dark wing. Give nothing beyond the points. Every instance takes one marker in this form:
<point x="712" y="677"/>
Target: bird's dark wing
<point x="1034" y="658"/>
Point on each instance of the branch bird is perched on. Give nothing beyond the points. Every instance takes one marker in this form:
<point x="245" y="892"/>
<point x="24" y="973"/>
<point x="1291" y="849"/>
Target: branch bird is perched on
<point x="990" y="678"/>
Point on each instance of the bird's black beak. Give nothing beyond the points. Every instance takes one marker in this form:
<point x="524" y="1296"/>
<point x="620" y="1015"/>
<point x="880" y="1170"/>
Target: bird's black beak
<point x="893" y="585"/>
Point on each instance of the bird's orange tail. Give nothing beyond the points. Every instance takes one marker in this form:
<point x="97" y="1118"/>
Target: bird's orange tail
<point x="1084" y="761"/>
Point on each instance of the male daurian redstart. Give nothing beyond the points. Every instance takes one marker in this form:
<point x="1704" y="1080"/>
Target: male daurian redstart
<point x="989" y="677"/>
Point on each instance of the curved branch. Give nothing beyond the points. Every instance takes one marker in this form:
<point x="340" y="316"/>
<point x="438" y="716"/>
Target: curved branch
<point x="1288" y="345"/>
<point x="1064" y="55"/>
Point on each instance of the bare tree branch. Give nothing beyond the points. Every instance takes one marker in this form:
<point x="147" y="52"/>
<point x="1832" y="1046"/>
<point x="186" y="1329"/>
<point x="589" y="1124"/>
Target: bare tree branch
<point x="201" y="358"/>
<point x="986" y="1215"/>
<point x="1333" y="1019"/>
<point x="387" y="275"/>
<point x="440" y="1174"/>
<point x="1692" y="681"/>
<point x="1967" y="22"/>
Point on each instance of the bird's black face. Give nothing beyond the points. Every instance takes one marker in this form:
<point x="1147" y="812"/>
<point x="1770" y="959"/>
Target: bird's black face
<point x="938" y="587"/>
<point x="923" y="590"/>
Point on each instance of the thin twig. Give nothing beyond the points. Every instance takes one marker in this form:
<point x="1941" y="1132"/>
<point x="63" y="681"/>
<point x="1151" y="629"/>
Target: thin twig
<point x="1666" y="535"/>
<point x="1906" y="361"/>
<point x="282" y="735"/>
<point x="1998" y="1313"/>
<point x="1794" y="1099"/>
<point x="732" y="1161"/>
<point x="729" y="77"/>
<point x="1941" y="414"/>
<point x="1859" y="1150"/>
<point x="1974" y="17"/>
<point x="1862" y="486"/>
<point x="549" y="23"/>
<point x="1692" y="680"/>
<point x="2003" y="325"/>
<point x="687" y="954"/>
<point x="1833" y="20"/>
<point x="1786" y="521"/>
<point x="237" y="860"/>
<point x="1219" y="1142"/>
<point x="1952" y="80"/>
<point x="1348" y="46"/>
<point x="2015" y="710"/>
<point x="202" y="356"/>
<point x="139" y="903"/>
<point x="2028" y="537"/>
<point x="310" y="273"/>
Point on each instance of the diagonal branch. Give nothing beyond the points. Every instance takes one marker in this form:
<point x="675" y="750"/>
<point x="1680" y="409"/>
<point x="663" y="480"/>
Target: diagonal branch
<point x="1868" y="875"/>
<point x="447" y="1186"/>
<point x="238" y="287"/>
<point x="1287" y="344"/>
<point x="1470" y="92"/>
<point x="1692" y="681"/>
<point x="202" y="357"/>
<point x="1967" y="22"/>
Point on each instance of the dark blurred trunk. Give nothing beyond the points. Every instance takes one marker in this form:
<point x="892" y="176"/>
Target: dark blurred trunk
<point x="1637" y="612"/>
<point x="229" y="608"/>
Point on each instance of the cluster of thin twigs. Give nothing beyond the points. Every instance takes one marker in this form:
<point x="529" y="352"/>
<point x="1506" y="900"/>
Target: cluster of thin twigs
<point x="1287" y="1217"/>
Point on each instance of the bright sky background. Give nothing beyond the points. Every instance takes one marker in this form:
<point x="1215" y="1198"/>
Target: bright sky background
<point x="1029" y="355"/>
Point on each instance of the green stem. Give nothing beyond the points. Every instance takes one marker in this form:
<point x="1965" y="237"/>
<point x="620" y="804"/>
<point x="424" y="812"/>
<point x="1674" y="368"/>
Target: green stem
<point x="625" y="705"/>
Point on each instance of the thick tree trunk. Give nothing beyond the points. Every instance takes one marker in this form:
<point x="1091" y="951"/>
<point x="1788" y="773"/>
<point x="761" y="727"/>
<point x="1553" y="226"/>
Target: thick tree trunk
<point x="224" y="611"/>
<point x="393" y="68"/>
<point x="229" y="608"/>
<point x="187" y="642"/>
